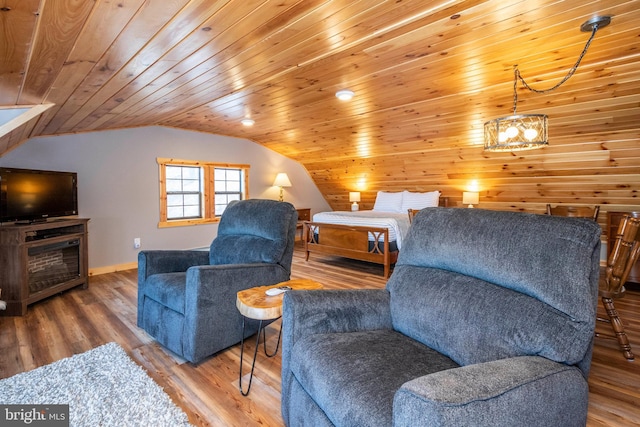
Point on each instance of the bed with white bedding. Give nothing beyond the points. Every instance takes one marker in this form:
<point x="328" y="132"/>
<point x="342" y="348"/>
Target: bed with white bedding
<point x="371" y="235"/>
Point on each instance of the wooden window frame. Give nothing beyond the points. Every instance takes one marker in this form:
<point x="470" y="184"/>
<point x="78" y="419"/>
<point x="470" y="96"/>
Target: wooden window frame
<point x="209" y="215"/>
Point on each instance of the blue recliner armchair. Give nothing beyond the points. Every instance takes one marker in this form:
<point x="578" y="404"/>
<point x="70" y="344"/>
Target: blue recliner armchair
<point x="487" y="320"/>
<point x="186" y="299"/>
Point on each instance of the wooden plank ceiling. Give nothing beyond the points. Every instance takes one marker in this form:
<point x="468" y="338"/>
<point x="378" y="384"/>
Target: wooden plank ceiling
<point x="427" y="75"/>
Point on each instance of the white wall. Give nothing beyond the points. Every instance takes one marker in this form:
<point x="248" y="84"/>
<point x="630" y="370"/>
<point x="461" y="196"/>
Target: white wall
<point x="118" y="183"/>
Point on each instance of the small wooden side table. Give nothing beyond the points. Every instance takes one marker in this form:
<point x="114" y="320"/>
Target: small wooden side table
<point x="254" y="303"/>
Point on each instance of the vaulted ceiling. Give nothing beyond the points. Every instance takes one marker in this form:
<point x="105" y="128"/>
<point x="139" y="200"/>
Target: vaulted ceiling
<point x="426" y="76"/>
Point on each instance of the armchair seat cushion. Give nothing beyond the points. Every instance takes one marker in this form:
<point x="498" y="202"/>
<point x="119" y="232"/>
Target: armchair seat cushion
<point x="364" y="371"/>
<point x="168" y="290"/>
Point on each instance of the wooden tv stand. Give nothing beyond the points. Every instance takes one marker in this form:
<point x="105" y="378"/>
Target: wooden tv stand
<point x="40" y="260"/>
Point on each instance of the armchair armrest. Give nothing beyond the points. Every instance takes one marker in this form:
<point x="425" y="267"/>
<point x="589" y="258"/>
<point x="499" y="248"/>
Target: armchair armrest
<point x="210" y="283"/>
<point x="210" y="303"/>
<point x="526" y="390"/>
<point x="168" y="261"/>
<point x="319" y="311"/>
<point x="325" y="311"/>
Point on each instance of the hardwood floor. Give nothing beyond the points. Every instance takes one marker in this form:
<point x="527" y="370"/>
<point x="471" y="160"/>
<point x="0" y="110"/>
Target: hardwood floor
<point x="79" y="320"/>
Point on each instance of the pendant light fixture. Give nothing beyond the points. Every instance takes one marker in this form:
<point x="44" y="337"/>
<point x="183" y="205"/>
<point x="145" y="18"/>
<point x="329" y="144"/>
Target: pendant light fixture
<point x="529" y="131"/>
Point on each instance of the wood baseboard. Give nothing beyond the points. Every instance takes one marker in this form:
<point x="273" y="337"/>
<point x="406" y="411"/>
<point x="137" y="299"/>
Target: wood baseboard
<point x="112" y="268"/>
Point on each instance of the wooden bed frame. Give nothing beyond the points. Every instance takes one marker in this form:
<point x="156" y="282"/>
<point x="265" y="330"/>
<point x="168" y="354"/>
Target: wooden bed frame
<point x="349" y="241"/>
<point x="352" y="241"/>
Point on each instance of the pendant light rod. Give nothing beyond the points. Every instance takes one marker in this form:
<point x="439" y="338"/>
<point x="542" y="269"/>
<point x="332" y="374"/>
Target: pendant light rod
<point x="592" y="25"/>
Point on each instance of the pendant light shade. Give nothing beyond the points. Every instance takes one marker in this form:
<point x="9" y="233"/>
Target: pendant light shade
<point x="529" y="131"/>
<point x="513" y="133"/>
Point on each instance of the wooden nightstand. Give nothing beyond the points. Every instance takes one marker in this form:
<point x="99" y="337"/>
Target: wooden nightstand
<point x="304" y="214"/>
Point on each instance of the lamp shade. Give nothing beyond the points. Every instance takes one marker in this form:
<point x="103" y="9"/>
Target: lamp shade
<point x="470" y="198"/>
<point x="354" y="198"/>
<point x="282" y="180"/>
<point x="514" y="133"/>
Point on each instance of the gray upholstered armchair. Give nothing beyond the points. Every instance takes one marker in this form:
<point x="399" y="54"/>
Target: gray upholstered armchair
<point x="186" y="299"/>
<point x="487" y="320"/>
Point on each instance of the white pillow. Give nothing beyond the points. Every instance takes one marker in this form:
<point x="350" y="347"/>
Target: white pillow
<point x="388" y="202"/>
<point x="420" y="200"/>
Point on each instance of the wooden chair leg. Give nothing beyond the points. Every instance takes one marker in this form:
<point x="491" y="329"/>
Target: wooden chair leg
<point x="618" y="329"/>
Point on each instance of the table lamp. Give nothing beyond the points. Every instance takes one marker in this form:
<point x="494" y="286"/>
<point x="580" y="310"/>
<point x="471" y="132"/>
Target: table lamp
<point x="470" y="198"/>
<point x="282" y="180"/>
<point x="354" y="197"/>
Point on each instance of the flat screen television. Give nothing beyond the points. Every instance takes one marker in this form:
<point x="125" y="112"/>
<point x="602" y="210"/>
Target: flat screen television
<point x="28" y="195"/>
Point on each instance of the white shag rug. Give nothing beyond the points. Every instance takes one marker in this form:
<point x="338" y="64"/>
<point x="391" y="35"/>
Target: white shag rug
<point x="103" y="387"/>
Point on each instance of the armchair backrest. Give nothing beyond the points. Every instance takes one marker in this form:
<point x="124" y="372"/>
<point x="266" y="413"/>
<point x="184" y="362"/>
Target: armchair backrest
<point x="482" y="285"/>
<point x="255" y="231"/>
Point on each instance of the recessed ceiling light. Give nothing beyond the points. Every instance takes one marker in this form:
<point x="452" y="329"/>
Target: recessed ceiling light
<point x="345" y="95"/>
<point x="248" y="122"/>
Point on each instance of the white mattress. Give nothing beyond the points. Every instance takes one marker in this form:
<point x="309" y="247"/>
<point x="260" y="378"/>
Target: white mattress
<point x="396" y="223"/>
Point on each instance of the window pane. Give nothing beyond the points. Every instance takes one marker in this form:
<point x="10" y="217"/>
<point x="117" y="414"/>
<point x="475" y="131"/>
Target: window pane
<point x="190" y="173"/>
<point x="219" y="174"/>
<point x="174" y="185"/>
<point x="174" y="212"/>
<point x="191" y="185"/>
<point x="233" y="186"/>
<point x="233" y="174"/>
<point x="173" y="172"/>
<point x="183" y="188"/>
<point x="191" y="211"/>
<point x="192" y="200"/>
<point x="174" y="199"/>
<point x="228" y="186"/>
<point x="220" y="209"/>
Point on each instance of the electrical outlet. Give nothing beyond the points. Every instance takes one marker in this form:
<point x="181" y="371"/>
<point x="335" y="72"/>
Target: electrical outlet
<point x="136" y="243"/>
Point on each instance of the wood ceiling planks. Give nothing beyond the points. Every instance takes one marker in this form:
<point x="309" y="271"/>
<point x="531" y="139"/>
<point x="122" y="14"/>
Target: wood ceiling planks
<point x="18" y="20"/>
<point x="427" y="75"/>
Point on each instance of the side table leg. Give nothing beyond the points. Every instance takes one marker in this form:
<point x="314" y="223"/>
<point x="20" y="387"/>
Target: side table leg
<point x="255" y="353"/>
<point x="264" y="330"/>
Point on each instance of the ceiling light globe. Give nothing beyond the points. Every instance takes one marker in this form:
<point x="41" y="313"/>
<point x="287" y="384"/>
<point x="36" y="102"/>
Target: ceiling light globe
<point x="248" y="122"/>
<point x="345" y="95"/>
<point x="512" y="132"/>
<point x="530" y="134"/>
